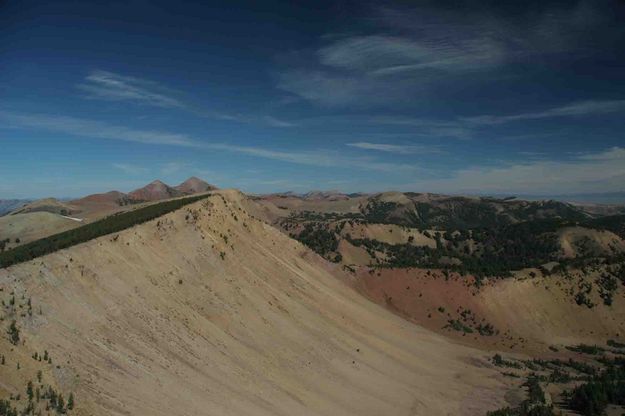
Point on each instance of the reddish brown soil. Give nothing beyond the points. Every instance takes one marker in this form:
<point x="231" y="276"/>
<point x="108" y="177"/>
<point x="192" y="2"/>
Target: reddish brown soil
<point x="528" y="316"/>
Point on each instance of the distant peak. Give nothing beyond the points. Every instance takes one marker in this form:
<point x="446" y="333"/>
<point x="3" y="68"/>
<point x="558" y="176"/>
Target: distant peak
<point x="195" y="185"/>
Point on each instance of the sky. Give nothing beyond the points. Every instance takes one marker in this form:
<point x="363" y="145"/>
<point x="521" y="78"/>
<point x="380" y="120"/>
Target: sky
<point x="461" y="97"/>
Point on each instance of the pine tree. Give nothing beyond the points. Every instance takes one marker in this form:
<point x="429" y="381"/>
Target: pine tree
<point x="60" y="404"/>
<point x="14" y="333"/>
<point x="29" y="390"/>
<point x="70" y="401"/>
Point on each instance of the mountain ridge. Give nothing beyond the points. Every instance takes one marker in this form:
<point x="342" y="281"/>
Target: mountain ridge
<point x="180" y="314"/>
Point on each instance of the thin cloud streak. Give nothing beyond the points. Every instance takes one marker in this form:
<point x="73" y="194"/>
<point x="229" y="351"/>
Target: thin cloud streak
<point x="94" y="129"/>
<point x="109" y="86"/>
<point x="99" y="130"/>
<point x="406" y="52"/>
<point x="575" y="109"/>
<point x="392" y="148"/>
<point x="317" y="158"/>
<point x="465" y="127"/>
<point x="276" y="122"/>
<point x="381" y="55"/>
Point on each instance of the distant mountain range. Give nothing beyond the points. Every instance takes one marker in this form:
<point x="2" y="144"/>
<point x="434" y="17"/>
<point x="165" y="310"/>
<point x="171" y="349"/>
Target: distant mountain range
<point x="154" y="191"/>
<point x="26" y="220"/>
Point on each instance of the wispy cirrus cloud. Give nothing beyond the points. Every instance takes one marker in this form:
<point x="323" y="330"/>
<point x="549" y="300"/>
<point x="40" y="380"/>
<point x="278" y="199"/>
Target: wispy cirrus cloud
<point x="382" y="55"/>
<point x="466" y="127"/>
<point x="403" y="149"/>
<point x="323" y="158"/>
<point x="100" y="130"/>
<point x="581" y="108"/>
<point x="110" y="86"/>
<point x="93" y="129"/>
<point x="458" y="129"/>
<point x="407" y="52"/>
<point x="276" y="122"/>
<point x="104" y="85"/>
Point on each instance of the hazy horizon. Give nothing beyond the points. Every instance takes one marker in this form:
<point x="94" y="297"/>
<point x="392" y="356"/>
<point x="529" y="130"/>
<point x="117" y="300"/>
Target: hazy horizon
<point x="606" y="198"/>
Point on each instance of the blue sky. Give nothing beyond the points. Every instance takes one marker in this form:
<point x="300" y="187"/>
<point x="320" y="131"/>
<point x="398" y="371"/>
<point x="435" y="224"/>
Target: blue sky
<point x="450" y="97"/>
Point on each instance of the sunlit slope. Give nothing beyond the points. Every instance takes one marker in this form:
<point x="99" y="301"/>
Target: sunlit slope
<point x="207" y="311"/>
<point x="32" y="226"/>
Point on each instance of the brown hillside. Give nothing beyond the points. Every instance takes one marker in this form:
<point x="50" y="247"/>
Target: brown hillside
<point x="51" y="205"/>
<point x="194" y="185"/>
<point x="528" y="314"/>
<point x="209" y="311"/>
<point x="154" y="191"/>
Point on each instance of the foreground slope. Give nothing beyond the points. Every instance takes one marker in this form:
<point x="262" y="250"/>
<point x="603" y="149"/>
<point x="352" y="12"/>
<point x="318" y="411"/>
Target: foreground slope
<point x="207" y="310"/>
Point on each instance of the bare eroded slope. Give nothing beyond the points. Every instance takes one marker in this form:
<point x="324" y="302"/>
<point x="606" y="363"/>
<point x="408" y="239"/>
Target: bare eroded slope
<point x="207" y="311"/>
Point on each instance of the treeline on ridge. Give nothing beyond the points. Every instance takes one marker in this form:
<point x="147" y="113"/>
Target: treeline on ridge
<point x="111" y="224"/>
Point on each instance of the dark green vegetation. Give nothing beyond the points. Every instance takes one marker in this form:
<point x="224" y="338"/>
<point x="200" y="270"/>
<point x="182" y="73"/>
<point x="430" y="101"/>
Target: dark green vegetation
<point x="591" y="385"/>
<point x="615" y="344"/>
<point x="608" y="387"/>
<point x="499" y="361"/>
<point x="39" y="398"/>
<point x="499" y="251"/>
<point x="614" y="223"/>
<point x="534" y="405"/>
<point x="586" y="349"/>
<point x="450" y="212"/>
<point x="87" y="232"/>
<point x="457" y="325"/>
<point x="467" y="323"/>
<point x="319" y="239"/>
<point x="478" y="236"/>
<point x="457" y="213"/>
<point x="14" y="333"/>
<point x="126" y="200"/>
